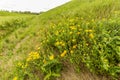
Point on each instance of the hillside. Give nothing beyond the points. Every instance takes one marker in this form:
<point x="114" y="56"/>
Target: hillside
<point x="79" y="40"/>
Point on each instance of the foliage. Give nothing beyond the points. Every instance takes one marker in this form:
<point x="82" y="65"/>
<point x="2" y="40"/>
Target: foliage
<point x="6" y="29"/>
<point x="94" y="43"/>
<point x="34" y="63"/>
<point x="81" y="32"/>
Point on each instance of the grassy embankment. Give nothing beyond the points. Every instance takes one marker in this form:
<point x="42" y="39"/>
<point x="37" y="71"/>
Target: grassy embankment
<point x="80" y="36"/>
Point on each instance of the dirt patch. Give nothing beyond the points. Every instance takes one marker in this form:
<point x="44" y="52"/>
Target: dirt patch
<point x="69" y="73"/>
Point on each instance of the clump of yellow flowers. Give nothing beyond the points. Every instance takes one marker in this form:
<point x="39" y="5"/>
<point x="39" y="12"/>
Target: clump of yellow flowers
<point x="89" y="30"/>
<point x="58" y="43"/>
<point x="72" y="27"/>
<point x="51" y="57"/>
<point x="91" y="35"/>
<point x="71" y="51"/>
<point x="33" y="56"/>
<point x="74" y="46"/>
<point x="15" y="78"/>
<point x="63" y="54"/>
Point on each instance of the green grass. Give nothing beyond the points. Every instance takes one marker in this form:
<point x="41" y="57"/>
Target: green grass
<point x="80" y="32"/>
<point x="14" y="30"/>
<point x="8" y="16"/>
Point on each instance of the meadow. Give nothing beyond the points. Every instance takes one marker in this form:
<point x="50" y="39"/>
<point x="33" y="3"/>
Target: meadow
<point x="79" y="40"/>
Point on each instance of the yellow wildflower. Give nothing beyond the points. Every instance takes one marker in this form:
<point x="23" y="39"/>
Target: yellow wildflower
<point x="33" y="56"/>
<point x="87" y="44"/>
<point x="71" y="32"/>
<point x="47" y="40"/>
<point x="72" y="27"/>
<point x="29" y="59"/>
<point x="57" y="43"/>
<point x="19" y="64"/>
<point x="38" y="48"/>
<point x="63" y="44"/>
<point x="23" y="67"/>
<point x="78" y="33"/>
<point x="51" y="57"/>
<point x="63" y="31"/>
<point x="71" y="51"/>
<point x="89" y="30"/>
<point x="74" y="46"/>
<point x="63" y="54"/>
<point x="91" y="36"/>
<point x="15" y="78"/>
<point x="74" y="40"/>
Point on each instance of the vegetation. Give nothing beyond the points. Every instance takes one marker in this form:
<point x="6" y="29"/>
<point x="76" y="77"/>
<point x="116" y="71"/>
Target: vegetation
<point x="81" y="32"/>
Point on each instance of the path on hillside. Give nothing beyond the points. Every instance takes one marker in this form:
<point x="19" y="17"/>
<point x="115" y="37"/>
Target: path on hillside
<point x="7" y="61"/>
<point x="18" y="52"/>
<point x="19" y="44"/>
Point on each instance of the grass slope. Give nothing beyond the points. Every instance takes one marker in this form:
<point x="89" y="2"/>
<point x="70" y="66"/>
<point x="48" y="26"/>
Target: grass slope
<point x="7" y="16"/>
<point x="13" y="33"/>
<point x="24" y="39"/>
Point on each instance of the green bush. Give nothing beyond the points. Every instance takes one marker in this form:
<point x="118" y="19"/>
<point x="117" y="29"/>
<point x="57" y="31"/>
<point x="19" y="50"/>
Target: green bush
<point x="94" y="43"/>
<point x="8" y="27"/>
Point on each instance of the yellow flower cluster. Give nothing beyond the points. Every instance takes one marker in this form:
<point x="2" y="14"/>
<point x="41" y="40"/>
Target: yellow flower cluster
<point x="71" y="51"/>
<point x="33" y="56"/>
<point x="89" y="30"/>
<point x="21" y="65"/>
<point x="73" y="40"/>
<point x="72" y="27"/>
<point x="74" y="46"/>
<point x="15" y="78"/>
<point x="59" y="43"/>
<point x="63" y="54"/>
<point x="91" y="36"/>
<point x="38" y="48"/>
<point x="71" y="32"/>
<point x="78" y="33"/>
<point x="51" y="57"/>
<point x="56" y="33"/>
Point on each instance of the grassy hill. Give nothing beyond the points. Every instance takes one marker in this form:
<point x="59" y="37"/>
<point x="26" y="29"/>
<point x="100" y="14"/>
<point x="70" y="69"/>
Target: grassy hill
<point x="79" y="40"/>
<point x="7" y="16"/>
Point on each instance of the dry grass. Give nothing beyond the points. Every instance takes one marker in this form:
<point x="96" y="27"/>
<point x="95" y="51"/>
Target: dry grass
<point x="69" y="73"/>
